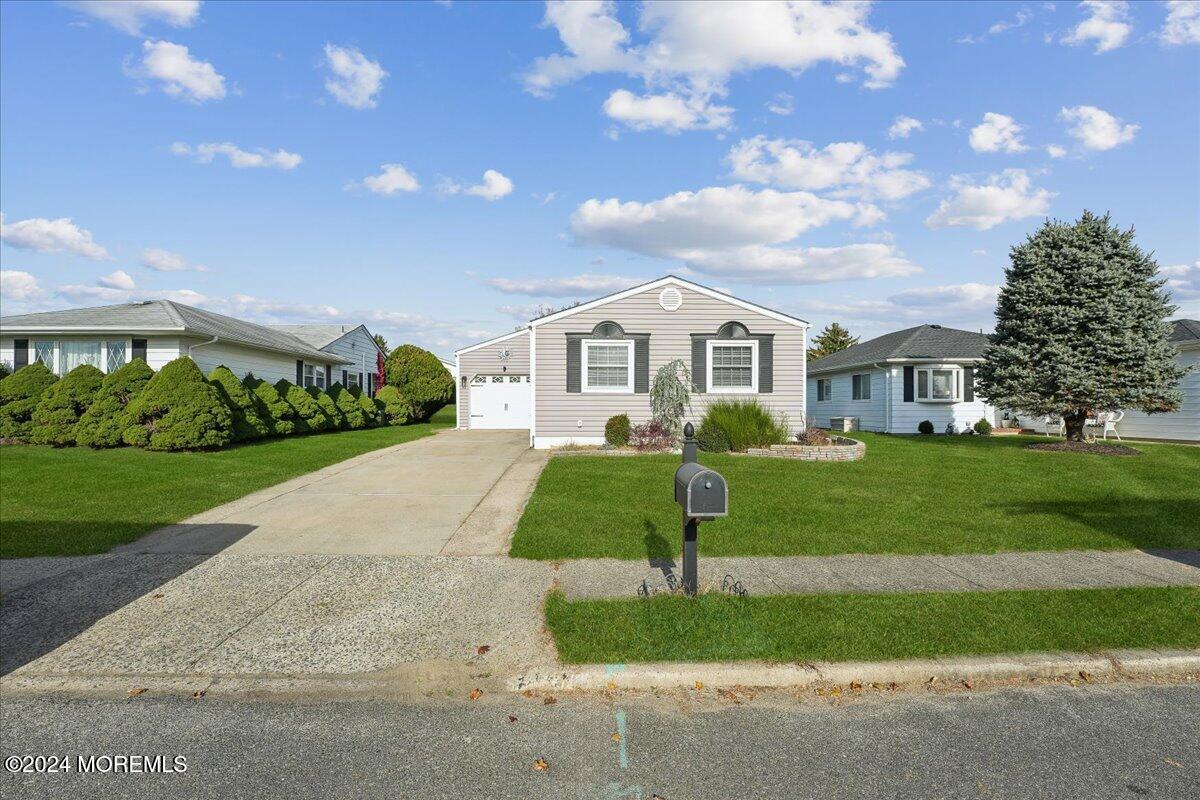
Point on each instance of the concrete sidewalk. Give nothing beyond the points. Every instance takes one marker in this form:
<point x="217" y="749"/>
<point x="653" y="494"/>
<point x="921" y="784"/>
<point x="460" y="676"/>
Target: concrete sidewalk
<point x="1072" y="569"/>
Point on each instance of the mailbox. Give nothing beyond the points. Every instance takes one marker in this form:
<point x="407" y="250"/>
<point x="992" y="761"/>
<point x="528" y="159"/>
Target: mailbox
<point x="701" y="492"/>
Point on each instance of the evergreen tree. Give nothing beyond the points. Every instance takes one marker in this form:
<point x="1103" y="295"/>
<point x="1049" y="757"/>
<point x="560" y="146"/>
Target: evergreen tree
<point x="382" y="343"/>
<point x="104" y="421"/>
<point x="62" y="405"/>
<point x="1081" y="327"/>
<point x="248" y="422"/>
<point x="830" y="341"/>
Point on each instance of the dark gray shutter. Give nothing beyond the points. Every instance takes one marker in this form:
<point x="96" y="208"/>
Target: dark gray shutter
<point x="20" y="353"/>
<point x="139" y="349"/>
<point x="574" y="364"/>
<point x="361" y="385"/>
<point x="700" y="362"/>
<point x="969" y="384"/>
<point x="909" y="376"/>
<point x="299" y="372"/>
<point x="345" y="377"/>
<point x="766" y="363"/>
<point x="641" y="364"/>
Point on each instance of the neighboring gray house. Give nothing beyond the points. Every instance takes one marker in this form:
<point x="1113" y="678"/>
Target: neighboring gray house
<point x="567" y="373"/>
<point x="893" y="382"/>
<point x="1184" y="424"/>
<point x="353" y="342"/>
<point x="159" y="331"/>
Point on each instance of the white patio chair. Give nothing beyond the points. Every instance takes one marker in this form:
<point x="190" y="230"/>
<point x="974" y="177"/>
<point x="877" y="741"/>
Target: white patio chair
<point x="1054" y="425"/>
<point x="1109" y="420"/>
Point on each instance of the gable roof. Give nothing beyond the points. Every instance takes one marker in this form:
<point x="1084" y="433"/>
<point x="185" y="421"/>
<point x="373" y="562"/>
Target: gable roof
<point x="166" y="316"/>
<point x="1186" y="331"/>
<point x="666" y="281"/>
<point x="921" y="342"/>
<point x="494" y="340"/>
<point x="321" y="336"/>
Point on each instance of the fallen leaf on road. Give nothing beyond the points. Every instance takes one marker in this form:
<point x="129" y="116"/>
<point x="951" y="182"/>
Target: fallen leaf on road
<point x="156" y="596"/>
<point x="893" y="686"/>
<point x="135" y="691"/>
<point x="511" y="718"/>
<point x="475" y="694"/>
<point x="199" y="693"/>
<point x="616" y="737"/>
<point x="550" y="700"/>
<point x="699" y="686"/>
<point x="932" y="680"/>
<point x="855" y="686"/>
<point x="968" y="685"/>
<point x="483" y="648"/>
<point x="1087" y="676"/>
<point x="877" y="685"/>
<point x="540" y="765"/>
<point x="529" y="693"/>
<point x="1173" y="762"/>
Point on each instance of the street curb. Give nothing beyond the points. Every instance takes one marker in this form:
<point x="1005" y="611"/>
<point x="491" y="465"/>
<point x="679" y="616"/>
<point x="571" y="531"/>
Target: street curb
<point x="1123" y="663"/>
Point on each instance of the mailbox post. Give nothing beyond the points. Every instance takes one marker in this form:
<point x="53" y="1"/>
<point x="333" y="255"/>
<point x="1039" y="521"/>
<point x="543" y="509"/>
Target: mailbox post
<point x="702" y="494"/>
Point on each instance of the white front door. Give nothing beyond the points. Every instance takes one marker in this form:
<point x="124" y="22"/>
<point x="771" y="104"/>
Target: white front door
<point x="499" y="401"/>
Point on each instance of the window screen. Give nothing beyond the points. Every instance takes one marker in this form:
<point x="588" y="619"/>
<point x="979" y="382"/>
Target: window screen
<point x="732" y="366"/>
<point x="608" y="366"/>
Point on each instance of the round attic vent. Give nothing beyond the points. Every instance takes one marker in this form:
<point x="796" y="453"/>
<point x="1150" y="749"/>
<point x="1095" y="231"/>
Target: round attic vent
<point x="670" y="298"/>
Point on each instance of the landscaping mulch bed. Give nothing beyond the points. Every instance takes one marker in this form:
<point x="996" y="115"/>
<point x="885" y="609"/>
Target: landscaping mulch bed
<point x="1086" y="447"/>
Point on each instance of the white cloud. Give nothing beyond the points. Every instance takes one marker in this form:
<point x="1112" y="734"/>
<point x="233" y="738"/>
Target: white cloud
<point x="849" y="168"/>
<point x="1095" y="129"/>
<point x="782" y="104"/>
<point x="1056" y="150"/>
<point x="960" y="296"/>
<point x="738" y="233"/>
<point x="1004" y="197"/>
<point x="668" y="112"/>
<point x="256" y="309"/>
<point x="394" y="178"/>
<point x="494" y="186"/>
<point x="242" y="159"/>
<point x="588" y="285"/>
<point x="1183" y="280"/>
<point x="51" y="236"/>
<point x="118" y="279"/>
<point x="979" y="252"/>
<point x="997" y="133"/>
<point x="19" y="286"/>
<point x="1182" y="25"/>
<point x="1107" y="24"/>
<point x="161" y="260"/>
<point x="903" y="127"/>
<point x="969" y="305"/>
<point x="130" y="16"/>
<point x="180" y="75"/>
<point x="1023" y="16"/>
<point x="355" y="79"/>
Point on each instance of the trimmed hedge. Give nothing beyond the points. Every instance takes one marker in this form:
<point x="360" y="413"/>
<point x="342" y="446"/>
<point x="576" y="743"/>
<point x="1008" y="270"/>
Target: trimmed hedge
<point x="59" y="410"/>
<point x="396" y="408"/>
<point x="421" y="380"/>
<point x="104" y="421"/>
<point x="179" y="410"/>
<point x="272" y="408"/>
<point x="335" y="420"/>
<point x="349" y="407"/>
<point x="616" y="430"/>
<point x="248" y="423"/>
<point x="309" y="418"/>
<point x="19" y="396"/>
<point x="372" y="409"/>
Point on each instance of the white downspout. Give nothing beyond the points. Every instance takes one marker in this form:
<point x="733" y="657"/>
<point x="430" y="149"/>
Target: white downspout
<point x="192" y="347"/>
<point x="887" y="396"/>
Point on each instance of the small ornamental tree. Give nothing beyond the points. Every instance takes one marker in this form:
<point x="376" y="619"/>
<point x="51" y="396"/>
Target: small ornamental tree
<point x="349" y="407"/>
<point x="423" y="381"/>
<point x="179" y="410"/>
<point x="396" y="408"/>
<point x="831" y="340"/>
<point x="307" y="415"/>
<point x="62" y="405"/>
<point x="248" y="422"/>
<point x="670" y="396"/>
<point x="334" y="419"/>
<point x="104" y="421"/>
<point x="272" y="408"/>
<point x="19" y="396"/>
<point x="1081" y="327"/>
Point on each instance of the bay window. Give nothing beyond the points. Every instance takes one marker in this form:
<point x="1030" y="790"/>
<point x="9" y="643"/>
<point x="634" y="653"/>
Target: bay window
<point x="608" y="365"/>
<point x="732" y="366"/>
<point x="939" y="385"/>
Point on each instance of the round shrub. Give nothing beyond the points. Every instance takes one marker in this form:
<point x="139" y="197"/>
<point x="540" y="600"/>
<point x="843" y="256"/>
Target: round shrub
<point x="272" y="408"/>
<point x="334" y="419"/>
<point x="347" y="404"/>
<point x="616" y="430"/>
<point x="983" y="427"/>
<point x="396" y="408"/>
<point x="59" y="410"/>
<point x="248" y="423"/>
<point x="746" y="424"/>
<point x="179" y="410"/>
<point x="712" y="438"/>
<point x="306" y="414"/>
<point x="925" y="427"/>
<point x="19" y="396"/>
<point x="421" y="379"/>
<point x="104" y="421"/>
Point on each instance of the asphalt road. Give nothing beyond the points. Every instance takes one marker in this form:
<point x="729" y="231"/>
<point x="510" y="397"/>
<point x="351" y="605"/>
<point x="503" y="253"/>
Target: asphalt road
<point x="1054" y="742"/>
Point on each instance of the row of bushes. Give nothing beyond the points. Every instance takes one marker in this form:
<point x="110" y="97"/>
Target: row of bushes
<point x="728" y="425"/>
<point x="982" y="428"/>
<point x="177" y="408"/>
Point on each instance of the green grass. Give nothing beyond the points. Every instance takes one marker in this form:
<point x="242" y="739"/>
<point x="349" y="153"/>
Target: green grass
<point x="934" y="494"/>
<point x="75" y="501"/>
<point x="871" y="627"/>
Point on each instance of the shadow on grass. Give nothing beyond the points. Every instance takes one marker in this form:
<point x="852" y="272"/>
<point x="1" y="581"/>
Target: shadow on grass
<point x="47" y="601"/>
<point x="659" y="552"/>
<point x="1159" y="525"/>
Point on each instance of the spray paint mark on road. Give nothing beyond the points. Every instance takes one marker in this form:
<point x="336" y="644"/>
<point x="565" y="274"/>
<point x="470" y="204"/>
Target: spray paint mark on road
<point x="624" y="752"/>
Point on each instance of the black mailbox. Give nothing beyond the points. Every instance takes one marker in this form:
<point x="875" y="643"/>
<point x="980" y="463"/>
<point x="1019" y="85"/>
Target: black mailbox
<point x="701" y="492"/>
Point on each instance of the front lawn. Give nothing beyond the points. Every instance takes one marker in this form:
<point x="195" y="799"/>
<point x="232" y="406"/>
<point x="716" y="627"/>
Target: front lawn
<point x="74" y="501"/>
<point x="934" y="494"/>
<point x="870" y="627"/>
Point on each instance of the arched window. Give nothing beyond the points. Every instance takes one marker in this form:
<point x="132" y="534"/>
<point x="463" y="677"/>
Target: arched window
<point x="608" y="360"/>
<point x="732" y="361"/>
<point x="733" y="330"/>
<point x="608" y="330"/>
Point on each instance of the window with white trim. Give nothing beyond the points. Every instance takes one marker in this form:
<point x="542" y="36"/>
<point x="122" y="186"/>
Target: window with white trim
<point x="351" y="380"/>
<point x="860" y="387"/>
<point x="608" y="365"/>
<point x="43" y="353"/>
<point x="824" y="389"/>
<point x="115" y="355"/>
<point x="309" y="375"/>
<point x="319" y="377"/>
<point x="939" y="384"/>
<point x="732" y="366"/>
<point x="60" y="357"/>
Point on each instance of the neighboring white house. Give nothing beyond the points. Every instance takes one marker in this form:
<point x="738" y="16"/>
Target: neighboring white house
<point x="1184" y="424"/>
<point x="353" y="342"/>
<point x="450" y="366"/>
<point x="893" y="382"/>
<point x="567" y="373"/>
<point x="159" y="331"/>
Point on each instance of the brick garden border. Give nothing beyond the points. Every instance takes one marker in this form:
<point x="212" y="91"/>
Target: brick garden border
<point x="842" y="449"/>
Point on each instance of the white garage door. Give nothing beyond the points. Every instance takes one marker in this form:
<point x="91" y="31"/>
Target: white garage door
<point x="500" y="401"/>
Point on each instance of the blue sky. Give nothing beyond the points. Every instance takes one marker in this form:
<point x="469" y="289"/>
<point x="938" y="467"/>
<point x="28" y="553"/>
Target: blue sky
<point x="442" y="170"/>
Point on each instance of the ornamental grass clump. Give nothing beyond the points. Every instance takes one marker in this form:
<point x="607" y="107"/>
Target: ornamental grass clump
<point x="58" y="412"/>
<point x="104" y="421"/>
<point x="179" y="410"/>
<point x="248" y="422"/>
<point x="19" y="396"/>
<point x="307" y="416"/>
<point x="746" y="424"/>
<point x="348" y="405"/>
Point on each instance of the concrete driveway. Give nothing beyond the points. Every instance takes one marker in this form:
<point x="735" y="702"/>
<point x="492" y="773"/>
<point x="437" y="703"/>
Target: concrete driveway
<point x="455" y="493"/>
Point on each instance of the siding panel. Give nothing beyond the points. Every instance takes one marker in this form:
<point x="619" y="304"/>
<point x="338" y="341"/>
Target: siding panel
<point x="1183" y="424"/>
<point x="486" y="361"/>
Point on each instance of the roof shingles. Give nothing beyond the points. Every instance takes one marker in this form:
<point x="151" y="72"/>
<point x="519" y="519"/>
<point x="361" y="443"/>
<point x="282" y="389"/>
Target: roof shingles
<point x="921" y="342"/>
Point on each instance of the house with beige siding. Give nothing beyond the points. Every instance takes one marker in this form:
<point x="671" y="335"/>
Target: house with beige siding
<point x="565" y="374"/>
